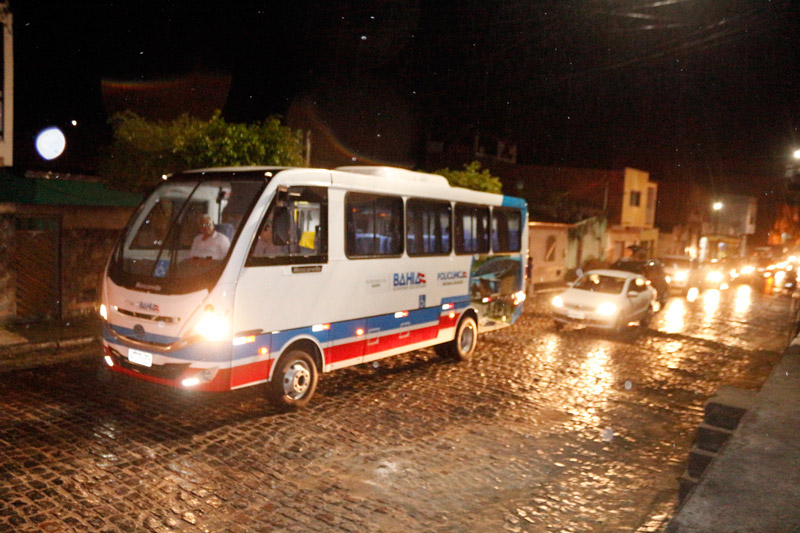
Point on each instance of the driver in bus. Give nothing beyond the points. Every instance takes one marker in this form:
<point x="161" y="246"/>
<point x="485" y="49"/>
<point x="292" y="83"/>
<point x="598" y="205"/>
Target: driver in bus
<point x="265" y="246"/>
<point x="209" y="243"/>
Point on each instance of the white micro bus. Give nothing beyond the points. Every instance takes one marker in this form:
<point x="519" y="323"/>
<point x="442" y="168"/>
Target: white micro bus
<point x="231" y="277"/>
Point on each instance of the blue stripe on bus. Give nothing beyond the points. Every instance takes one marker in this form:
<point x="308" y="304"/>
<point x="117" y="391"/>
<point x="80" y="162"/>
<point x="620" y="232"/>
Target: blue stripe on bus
<point x="511" y="201"/>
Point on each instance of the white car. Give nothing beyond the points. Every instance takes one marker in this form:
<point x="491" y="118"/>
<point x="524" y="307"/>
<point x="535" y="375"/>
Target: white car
<point x="606" y="299"/>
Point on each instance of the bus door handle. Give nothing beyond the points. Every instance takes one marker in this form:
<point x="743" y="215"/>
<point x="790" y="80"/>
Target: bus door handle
<point x="406" y="333"/>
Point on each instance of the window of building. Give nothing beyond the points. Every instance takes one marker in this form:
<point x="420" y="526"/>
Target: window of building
<point x="550" y="249"/>
<point x="373" y="225"/>
<point x="427" y="227"/>
<point x="636" y="198"/>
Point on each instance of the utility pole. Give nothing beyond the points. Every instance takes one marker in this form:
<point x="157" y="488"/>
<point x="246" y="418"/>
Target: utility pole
<point x="6" y="88"/>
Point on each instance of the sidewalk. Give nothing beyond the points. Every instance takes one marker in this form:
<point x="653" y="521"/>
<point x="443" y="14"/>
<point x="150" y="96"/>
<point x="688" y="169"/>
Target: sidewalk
<point x="44" y="343"/>
<point x="753" y="484"/>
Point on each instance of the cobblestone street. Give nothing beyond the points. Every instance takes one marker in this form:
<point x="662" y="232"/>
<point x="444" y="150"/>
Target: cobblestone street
<point x="542" y="431"/>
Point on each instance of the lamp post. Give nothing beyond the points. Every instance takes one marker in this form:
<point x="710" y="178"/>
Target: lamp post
<point x="716" y="207"/>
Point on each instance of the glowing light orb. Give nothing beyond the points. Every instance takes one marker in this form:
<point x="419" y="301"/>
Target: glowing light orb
<point x="50" y="143"/>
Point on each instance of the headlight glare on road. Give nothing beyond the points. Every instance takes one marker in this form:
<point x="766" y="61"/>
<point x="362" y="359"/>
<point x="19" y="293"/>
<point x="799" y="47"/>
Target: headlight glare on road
<point x="558" y="302"/>
<point x="607" y="309"/>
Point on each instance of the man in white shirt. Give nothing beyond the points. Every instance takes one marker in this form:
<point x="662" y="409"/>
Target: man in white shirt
<point x="209" y="243"/>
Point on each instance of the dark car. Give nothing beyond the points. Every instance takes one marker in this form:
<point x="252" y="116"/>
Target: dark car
<point x="652" y="269"/>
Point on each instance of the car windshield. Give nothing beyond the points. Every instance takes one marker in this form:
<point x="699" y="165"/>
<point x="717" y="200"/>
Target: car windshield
<point x="600" y="283"/>
<point x="180" y="237"/>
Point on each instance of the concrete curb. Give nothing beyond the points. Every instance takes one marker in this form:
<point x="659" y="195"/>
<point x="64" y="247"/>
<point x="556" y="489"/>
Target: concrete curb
<point x="13" y="350"/>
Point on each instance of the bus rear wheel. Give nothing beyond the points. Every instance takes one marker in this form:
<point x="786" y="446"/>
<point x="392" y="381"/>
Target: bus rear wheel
<point x="463" y="346"/>
<point x="293" y="381"/>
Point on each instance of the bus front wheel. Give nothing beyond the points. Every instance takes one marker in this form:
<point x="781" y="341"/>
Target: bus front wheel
<point x="294" y="380"/>
<point x="463" y="346"/>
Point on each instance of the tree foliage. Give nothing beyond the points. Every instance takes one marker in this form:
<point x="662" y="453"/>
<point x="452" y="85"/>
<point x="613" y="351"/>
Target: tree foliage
<point x="144" y="150"/>
<point x="472" y="177"/>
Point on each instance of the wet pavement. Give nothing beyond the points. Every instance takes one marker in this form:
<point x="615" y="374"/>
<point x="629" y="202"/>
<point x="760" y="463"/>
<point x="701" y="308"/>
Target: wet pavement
<point x="542" y="431"/>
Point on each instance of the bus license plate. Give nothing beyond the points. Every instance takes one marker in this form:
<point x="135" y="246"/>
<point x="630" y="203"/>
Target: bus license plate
<point x="140" y="358"/>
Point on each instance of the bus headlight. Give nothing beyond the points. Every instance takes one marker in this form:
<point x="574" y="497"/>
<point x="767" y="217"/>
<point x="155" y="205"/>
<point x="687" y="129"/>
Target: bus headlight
<point x="213" y="326"/>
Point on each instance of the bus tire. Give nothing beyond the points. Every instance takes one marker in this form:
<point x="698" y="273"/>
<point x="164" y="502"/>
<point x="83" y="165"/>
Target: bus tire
<point x="463" y="345"/>
<point x="293" y="381"/>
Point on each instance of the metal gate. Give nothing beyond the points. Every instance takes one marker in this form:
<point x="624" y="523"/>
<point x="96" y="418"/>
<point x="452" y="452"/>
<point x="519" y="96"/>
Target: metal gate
<point x="35" y="261"/>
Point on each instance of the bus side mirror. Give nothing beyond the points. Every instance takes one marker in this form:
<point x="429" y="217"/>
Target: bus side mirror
<point x="280" y="227"/>
<point x="282" y="196"/>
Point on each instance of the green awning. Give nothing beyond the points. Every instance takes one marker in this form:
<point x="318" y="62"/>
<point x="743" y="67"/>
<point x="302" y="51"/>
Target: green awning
<point x="42" y="191"/>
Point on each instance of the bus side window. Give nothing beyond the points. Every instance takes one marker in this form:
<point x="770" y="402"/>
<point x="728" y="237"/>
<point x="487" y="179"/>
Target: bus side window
<point x="373" y="225"/>
<point x="295" y="232"/>
<point x="472" y="229"/>
<point x="506" y="230"/>
<point x="427" y="227"/>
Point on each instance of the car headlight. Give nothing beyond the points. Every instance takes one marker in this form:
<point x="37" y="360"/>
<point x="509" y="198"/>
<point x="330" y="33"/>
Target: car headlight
<point x="558" y="301"/>
<point x="681" y="275"/>
<point x="747" y="270"/>
<point x="103" y="311"/>
<point x="714" y="276"/>
<point x="606" y="309"/>
<point x="213" y="326"/>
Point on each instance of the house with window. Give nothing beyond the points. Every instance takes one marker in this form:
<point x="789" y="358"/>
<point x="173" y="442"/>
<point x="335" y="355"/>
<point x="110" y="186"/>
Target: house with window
<point x="626" y="198"/>
<point x="632" y="221"/>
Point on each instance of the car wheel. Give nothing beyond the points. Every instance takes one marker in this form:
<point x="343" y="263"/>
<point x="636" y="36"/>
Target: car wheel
<point x="644" y="322"/>
<point x="463" y="345"/>
<point x="293" y="381"/>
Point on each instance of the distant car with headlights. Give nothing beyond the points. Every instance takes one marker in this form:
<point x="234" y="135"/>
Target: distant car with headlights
<point x="605" y="299"/>
<point x="652" y="270"/>
<point x="715" y="274"/>
<point x="682" y="272"/>
<point x="743" y="271"/>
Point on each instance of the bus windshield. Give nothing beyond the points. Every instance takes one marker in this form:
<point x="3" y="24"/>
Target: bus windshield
<point x="181" y="235"/>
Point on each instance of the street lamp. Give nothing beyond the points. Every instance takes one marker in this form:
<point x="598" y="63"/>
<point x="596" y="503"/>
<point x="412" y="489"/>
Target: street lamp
<point x="717" y="207"/>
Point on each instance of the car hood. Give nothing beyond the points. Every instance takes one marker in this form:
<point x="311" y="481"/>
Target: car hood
<point x="588" y="299"/>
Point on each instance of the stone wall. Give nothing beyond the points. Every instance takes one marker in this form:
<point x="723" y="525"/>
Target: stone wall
<point x="84" y="253"/>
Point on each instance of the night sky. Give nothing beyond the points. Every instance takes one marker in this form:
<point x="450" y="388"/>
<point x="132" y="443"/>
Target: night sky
<point x="680" y="88"/>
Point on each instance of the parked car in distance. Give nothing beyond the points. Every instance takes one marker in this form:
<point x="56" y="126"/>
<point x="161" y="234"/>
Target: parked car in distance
<point x="605" y="299"/>
<point x="652" y="270"/>
<point x="682" y="272"/>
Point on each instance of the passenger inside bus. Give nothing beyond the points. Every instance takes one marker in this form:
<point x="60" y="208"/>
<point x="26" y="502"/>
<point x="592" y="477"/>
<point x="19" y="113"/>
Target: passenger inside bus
<point x="209" y="243"/>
